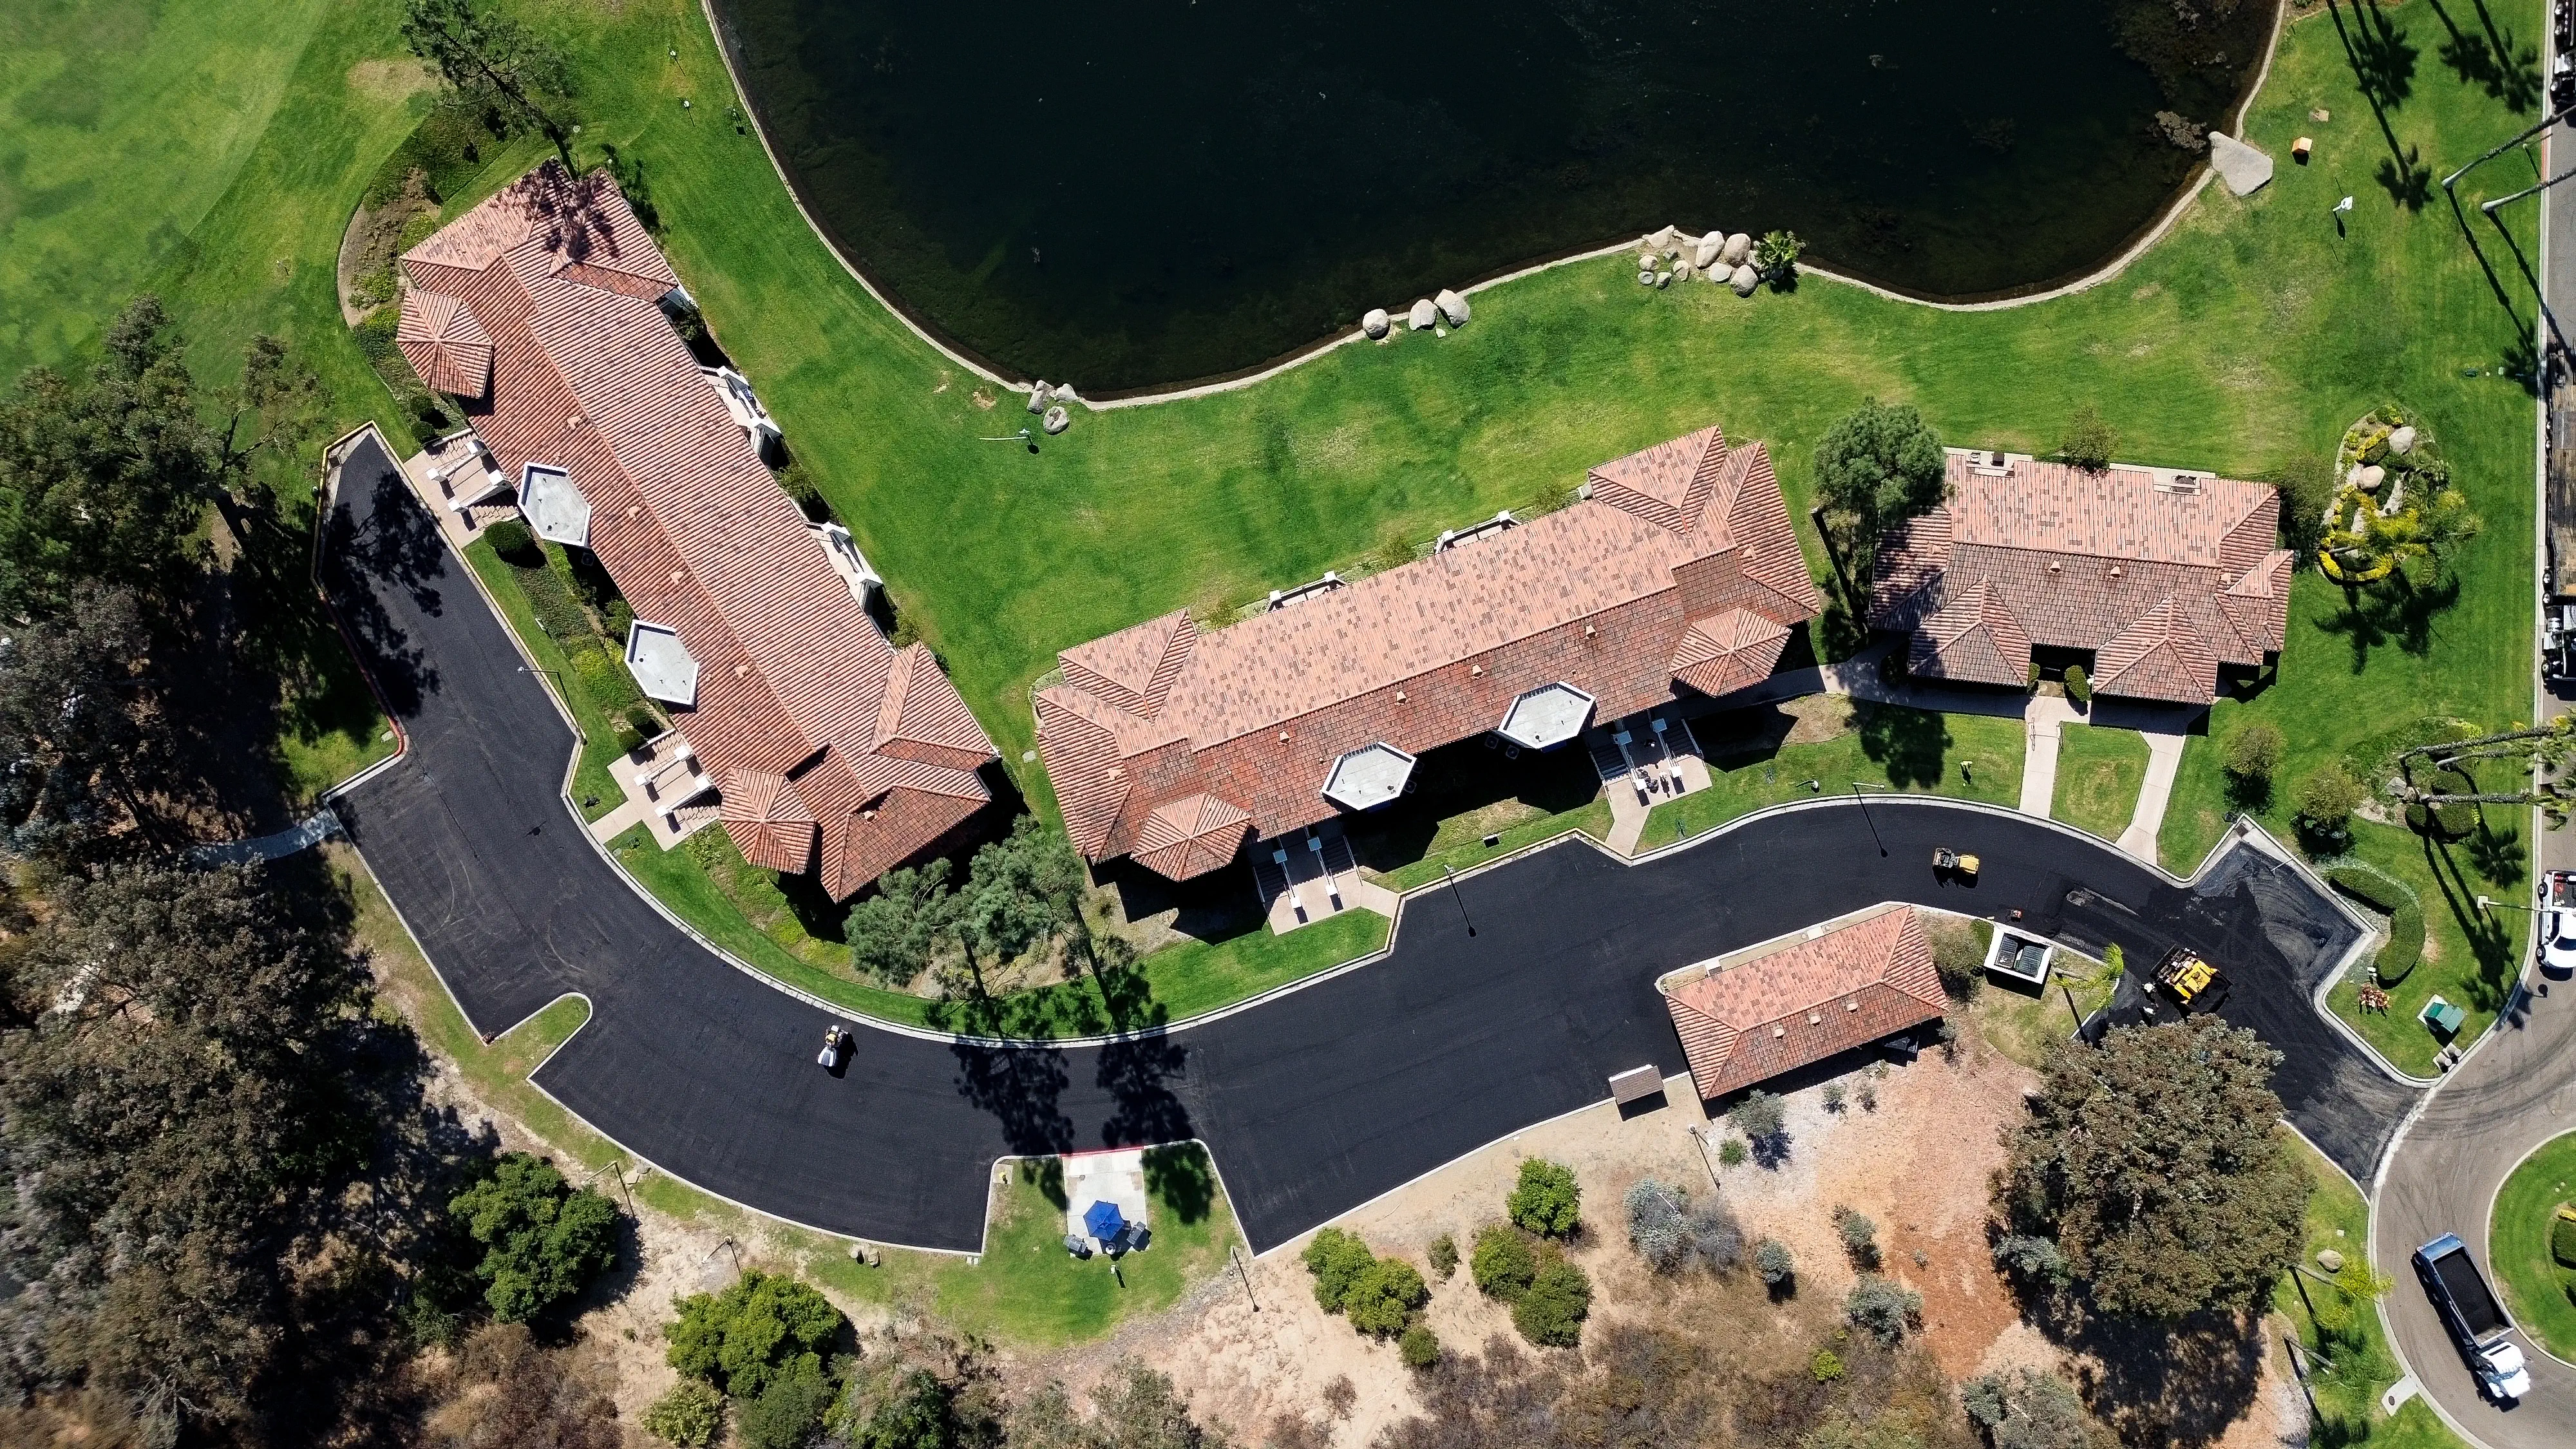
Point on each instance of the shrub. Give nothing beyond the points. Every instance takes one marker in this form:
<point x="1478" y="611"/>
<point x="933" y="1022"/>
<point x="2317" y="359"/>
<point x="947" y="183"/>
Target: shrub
<point x="1381" y="1302"/>
<point x="1731" y="1153"/>
<point x="1834" y="1095"/>
<point x="1859" y="1235"/>
<point x="620" y="619"/>
<point x="2031" y="1261"/>
<point x="800" y="485"/>
<point x="2027" y="1409"/>
<point x="1716" y="1239"/>
<point x="2253" y="753"/>
<point x="511" y="540"/>
<point x="1772" y="1261"/>
<point x="1882" y="1309"/>
<point x="744" y="1337"/>
<point x="1826" y="1366"/>
<point x="1546" y="1201"/>
<point x="1551" y="1310"/>
<point x="1759" y="1117"/>
<point x="1444" y="1256"/>
<point x="1777" y="253"/>
<point x="2327" y="797"/>
<point x="1337" y="1259"/>
<point x="1419" y="1348"/>
<point x="2079" y="685"/>
<point x="2089" y="440"/>
<point x="1959" y="955"/>
<point x="1503" y="1263"/>
<point x="1656" y="1227"/>
<point x="2562" y="1241"/>
<point x="789" y="1409"/>
<point x="543" y="1239"/>
<point x="688" y="1415"/>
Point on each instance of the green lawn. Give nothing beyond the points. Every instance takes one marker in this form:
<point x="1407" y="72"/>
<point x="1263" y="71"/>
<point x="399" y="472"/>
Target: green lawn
<point x="2021" y="1023"/>
<point x="507" y="583"/>
<point x="1033" y="1291"/>
<point x="2098" y="775"/>
<point x="2541" y="1294"/>
<point x="1460" y="842"/>
<point x="1888" y="747"/>
<point x="2362" y="1368"/>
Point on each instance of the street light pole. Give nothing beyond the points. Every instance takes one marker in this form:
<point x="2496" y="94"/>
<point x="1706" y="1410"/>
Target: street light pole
<point x="1460" y="899"/>
<point x="1864" y="815"/>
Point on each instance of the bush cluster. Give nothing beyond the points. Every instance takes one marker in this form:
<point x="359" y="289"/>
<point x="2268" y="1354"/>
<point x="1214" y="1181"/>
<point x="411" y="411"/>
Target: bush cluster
<point x="1859" y="1235"/>
<point x="1670" y="1233"/>
<point x="543" y="1239"/>
<point x="1546" y="1200"/>
<point x="2405" y="918"/>
<point x="1882" y="1309"/>
<point x="1380" y="1296"/>
<point x="2562" y="1241"/>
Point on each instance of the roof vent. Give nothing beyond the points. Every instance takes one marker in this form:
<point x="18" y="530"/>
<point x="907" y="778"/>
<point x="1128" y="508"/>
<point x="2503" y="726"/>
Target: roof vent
<point x="1779" y="1031"/>
<point x="677" y="575"/>
<point x="742" y="671"/>
<point x="635" y="510"/>
<point x="2054" y="566"/>
<point x="1851" y="1006"/>
<point x="1813" y="1019"/>
<point x="1399" y="696"/>
<point x="1475" y="671"/>
<point x="1589" y="631"/>
<point x="2115" y="571"/>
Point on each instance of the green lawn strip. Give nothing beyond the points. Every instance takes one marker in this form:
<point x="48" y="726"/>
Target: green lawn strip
<point x="1181" y="980"/>
<point x="2347" y="1393"/>
<point x="2098" y="775"/>
<point x="1035" y="1292"/>
<point x="1889" y="747"/>
<point x="575" y="685"/>
<point x="2196" y="814"/>
<point x="2541" y="1293"/>
<point x="2020" y="1022"/>
<point x="2469" y="959"/>
<point x="1461" y="848"/>
<point x="1017" y="1298"/>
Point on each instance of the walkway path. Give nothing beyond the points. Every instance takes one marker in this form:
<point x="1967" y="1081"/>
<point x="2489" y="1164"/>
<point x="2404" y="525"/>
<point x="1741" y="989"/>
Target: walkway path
<point x="312" y="830"/>
<point x="2164" y="760"/>
<point x="2043" y="728"/>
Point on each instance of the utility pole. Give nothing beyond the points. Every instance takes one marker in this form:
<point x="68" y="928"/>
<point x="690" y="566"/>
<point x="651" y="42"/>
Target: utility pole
<point x="1462" y="900"/>
<point x="1865" y="816"/>
<point x="1234" y="1255"/>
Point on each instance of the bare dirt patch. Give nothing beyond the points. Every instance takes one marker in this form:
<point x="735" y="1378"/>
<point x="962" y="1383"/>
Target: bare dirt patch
<point x="393" y="79"/>
<point x="369" y="243"/>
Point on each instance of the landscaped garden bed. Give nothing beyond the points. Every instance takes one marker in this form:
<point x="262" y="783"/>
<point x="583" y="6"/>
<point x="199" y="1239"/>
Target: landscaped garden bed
<point x="2533" y="1249"/>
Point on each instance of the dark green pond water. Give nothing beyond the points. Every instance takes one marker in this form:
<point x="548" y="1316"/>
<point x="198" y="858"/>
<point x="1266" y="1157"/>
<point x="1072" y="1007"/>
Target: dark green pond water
<point x="1140" y="192"/>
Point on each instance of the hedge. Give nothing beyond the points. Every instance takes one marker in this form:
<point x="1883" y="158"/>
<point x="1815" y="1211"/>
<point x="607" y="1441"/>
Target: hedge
<point x="2405" y="918"/>
<point x="2562" y="1241"/>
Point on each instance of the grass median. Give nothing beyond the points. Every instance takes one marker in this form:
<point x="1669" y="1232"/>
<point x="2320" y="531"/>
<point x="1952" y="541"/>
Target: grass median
<point x="2540" y="1290"/>
<point x="2098" y="775"/>
<point x="1883" y="747"/>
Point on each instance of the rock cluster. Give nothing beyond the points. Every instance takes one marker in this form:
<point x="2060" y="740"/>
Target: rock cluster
<point x="1669" y="255"/>
<point x="1435" y="314"/>
<point x="1047" y="402"/>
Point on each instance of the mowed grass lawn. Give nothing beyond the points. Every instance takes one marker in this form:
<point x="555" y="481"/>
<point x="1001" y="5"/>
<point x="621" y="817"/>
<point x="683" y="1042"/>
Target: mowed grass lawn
<point x="2098" y="775"/>
<point x="1033" y="1291"/>
<point x="2541" y="1293"/>
<point x="1887" y="747"/>
<point x="2356" y="1365"/>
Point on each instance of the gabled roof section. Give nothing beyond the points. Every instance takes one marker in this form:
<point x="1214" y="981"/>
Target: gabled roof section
<point x="1192" y="836"/>
<point x="444" y="344"/>
<point x="1133" y="669"/>
<point x="1973" y="637"/>
<point x="2161" y="656"/>
<point x="2258" y="603"/>
<point x="1668" y="485"/>
<point x="1780" y="1008"/>
<point x="769" y="821"/>
<point x="924" y="717"/>
<point x="1730" y="651"/>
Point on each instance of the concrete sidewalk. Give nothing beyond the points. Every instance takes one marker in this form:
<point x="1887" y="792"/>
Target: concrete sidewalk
<point x="2164" y="760"/>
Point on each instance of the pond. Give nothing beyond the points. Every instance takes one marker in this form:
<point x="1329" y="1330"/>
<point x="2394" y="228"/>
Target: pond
<point x="1142" y="192"/>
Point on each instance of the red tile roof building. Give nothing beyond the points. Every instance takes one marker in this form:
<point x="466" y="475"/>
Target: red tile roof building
<point x="834" y="752"/>
<point x="2166" y="576"/>
<point x="1788" y="1006"/>
<point x="1680" y="572"/>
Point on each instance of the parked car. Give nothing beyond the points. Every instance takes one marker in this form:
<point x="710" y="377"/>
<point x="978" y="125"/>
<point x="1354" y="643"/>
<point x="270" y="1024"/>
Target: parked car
<point x="2558" y="943"/>
<point x="835" y="1042"/>
<point x="2477" y="1322"/>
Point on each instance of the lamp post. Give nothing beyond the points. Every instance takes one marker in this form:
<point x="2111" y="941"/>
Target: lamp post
<point x="1865" y="815"/>
<point x="1459" y="898"/>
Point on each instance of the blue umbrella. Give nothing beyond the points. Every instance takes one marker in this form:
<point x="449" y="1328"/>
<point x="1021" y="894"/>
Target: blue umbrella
<point x="1103" y="1221"/>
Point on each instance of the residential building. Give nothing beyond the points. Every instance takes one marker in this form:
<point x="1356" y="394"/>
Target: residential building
<point x="2161" y="582"/>
<point x="541" y="312"/>
<point x="1750" y="1016"/>
<point x="1677" y="575"/>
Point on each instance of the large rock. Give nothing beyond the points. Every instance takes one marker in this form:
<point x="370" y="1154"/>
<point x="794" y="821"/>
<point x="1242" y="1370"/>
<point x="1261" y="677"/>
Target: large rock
<point x="2372" y="477"/>
<point x="1376" y="324"/>
<point x="1646" y="275"/>
<point x="1663" y="279"/>
<point x="1063" y="392"/>
<point x="2402" y="440"/>
<point x="1646" y="259"/>
<point x="1038" y="397"/>
<point x="1452" y="306"/>
<point x="1744" y="279"/>
<point x="1057" y="420"/>
<point x="1663" y="240"/>
<point x="1737" y="251"/>
<point x="1424" y="316"/>
<point x="2243" y="168"/>
<point x="1704" y="251"/>
<point x="1682" y="271"/>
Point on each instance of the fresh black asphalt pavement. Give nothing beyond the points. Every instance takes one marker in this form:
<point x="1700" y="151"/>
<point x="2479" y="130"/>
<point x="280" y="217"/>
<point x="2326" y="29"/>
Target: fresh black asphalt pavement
<point x="1506" y="1004"/>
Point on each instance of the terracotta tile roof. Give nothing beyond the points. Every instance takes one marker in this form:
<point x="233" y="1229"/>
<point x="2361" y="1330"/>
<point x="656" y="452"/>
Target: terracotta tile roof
<point x="1191" y="836"/>
<point x="446" y="345"/>
<point x="2039" y="553"/>
<point x="1804" y="1002"/>
<point x="769" y="821"/>
<point x="588" y="376"/>
<point x="1599" y="595"/>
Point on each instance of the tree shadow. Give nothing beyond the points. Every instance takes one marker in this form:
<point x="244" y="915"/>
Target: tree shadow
<point x="2394" y="613"/>
<point x="2515" y="68"/>
<point x="1046" y="1174"/>
<point x="2496" y="953"/>
<point x="2179" y="1384"/>
<point x="1910" y="744"/>
<point x="2496" y="852"/>
<point x="1020" y="1088"/>
<point x="2383" y="65"/>
<point x="1184" y="1178"/>
<point x="1138" y="1075"/>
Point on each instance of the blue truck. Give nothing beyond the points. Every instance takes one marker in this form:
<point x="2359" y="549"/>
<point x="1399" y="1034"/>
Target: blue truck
<point x="2476" y="1320"/>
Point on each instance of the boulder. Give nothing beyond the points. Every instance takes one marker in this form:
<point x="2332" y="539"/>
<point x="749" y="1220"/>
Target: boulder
<point x="2352" y="475"/>
<point x="1038" y="397"/>
<point x="1682" y="271"/>
<point x="1663" y="239"/>
<point x="1737" y="251"/>
<point x="1057" y="420"/>
<point x="1663" y="279"/>
<point x="2402" y="440"/>
<point x="1063" y="392"/>
<point x="2243" y="168"/>
<point x="1645" y="276"/>
<point x="2330" y="1260"/>
<point x="1424" y="316"/>
<point x="1452" y="306"/>
<point x="1744" y="279"/>
<point x="1376" y="324"/>
<point x="2372" y="477"/>
<point x="1646" y="259"/>
<point x="1704" y="251"/>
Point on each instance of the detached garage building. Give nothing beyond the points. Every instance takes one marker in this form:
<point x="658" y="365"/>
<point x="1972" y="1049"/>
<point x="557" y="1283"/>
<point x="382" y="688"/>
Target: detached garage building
<point x="1747" y="1017"/>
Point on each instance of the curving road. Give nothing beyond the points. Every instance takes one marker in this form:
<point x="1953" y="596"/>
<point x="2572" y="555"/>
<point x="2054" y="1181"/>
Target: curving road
<point x="1311" y="1103"/>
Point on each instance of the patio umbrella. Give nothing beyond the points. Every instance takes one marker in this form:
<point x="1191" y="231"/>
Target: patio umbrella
<point x="1103" y="1220"/>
